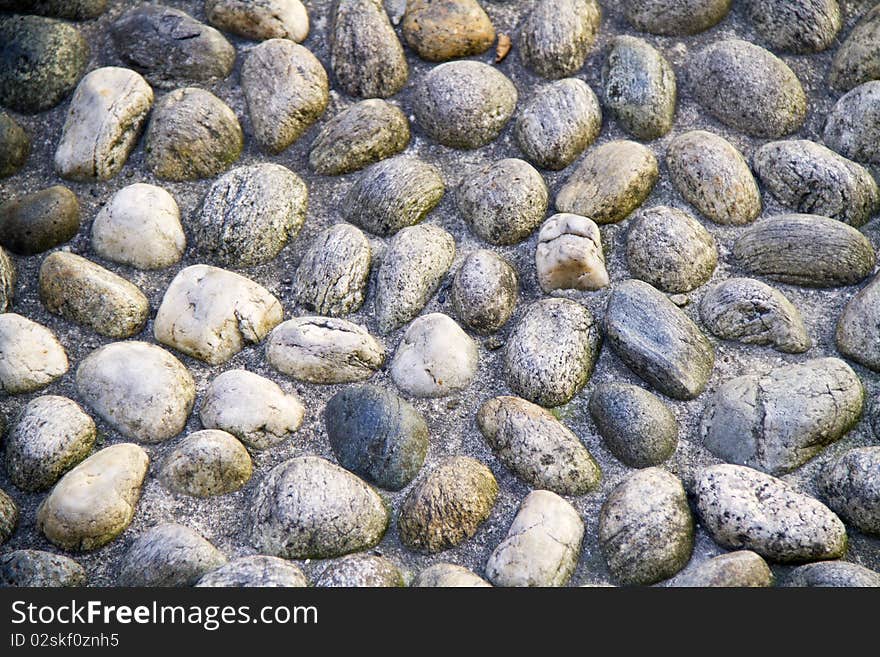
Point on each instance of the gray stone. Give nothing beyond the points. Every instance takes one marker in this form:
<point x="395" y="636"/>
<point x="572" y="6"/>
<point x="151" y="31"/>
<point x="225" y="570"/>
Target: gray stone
<point x="361" y="571"/>
<point x="263" y="19"/>
<point x="752" y="312"/>
<point x="646" y="530"/>
<point x="324" y="350"/>
<point x="206" y="463"/>
<point x="358" y="136"/>
<point x="212" y="314"/>
<point x="714" y="177"/>
<point x="192" y="134"/>
<point x="393" y="194"/>
<point x="103" y="124"/>
<point x="8" y="516"/>
<point x="558" y="123"/>
<point x="365" y="54"/>
<point x="853" y="125"/>
<point x="657" y="340"/>
<point x="41" y="60"/>
<point x="140" y="227"/>
<point x="287" y="90"/>
<point x="96" y="501"/>
<point x="36" y="222"/>
<point x="778" y="422"/>
<point x="35" y="568"/>
<point x="308" y="508"/>
<point x="51" y="435"/>
<point x="739" y="569"/>
<point x="77" y="10"/>
<point x="569" y="254"/>
<point x="833" y="574"/>
<point x="857" y="60"/>
<point x="669" y="249"/>
<point x="639" y="87"/>
<point x="448" y="575"/>
<point x="851" y="485"/>
<point x="484" y="291"/>
<point x="439" y="31"/>
<point x="415" y="263"/>
<point x="675" y="17"/>
<point x="168" y="555"/>
<point x="743" y="508"/>
<point x="557" y="35"/>
<point x="331" y="278"/>
<point x="15" y="145"/>
<point x="463" y="104"/>
<point x="542" y="546"/>
<point x="252" y="408"/>
<point x="610" y="182"/>
<point x="797" y="26"/>
<point x="31" y="357"/>
<point x="747" y="88"/>
<point x="258" y="571"/>
<point x="8" y="276"/>
<point x="805" y="249"/>
<point x="542" y="451"/>
<point x="635" y="424"/>
<point x="249" y="214"/>
<point x="551" y="351"/>
<point x="84" y="292"/>
<point x="139" y="389"/>
<point x="377" y="435"/>
<point x="504" y="202"/>
<point x="446" y="506"/>
<point x="170" y="47"/>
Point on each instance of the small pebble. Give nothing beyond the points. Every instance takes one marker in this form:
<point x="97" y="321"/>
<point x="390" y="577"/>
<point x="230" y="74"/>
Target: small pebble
<point x="39" y="221"/>
<point x="484" y="291"/>
<point x="206" y="463"/>
<point x="31" y="357"/>
<point x="168" y="555"/>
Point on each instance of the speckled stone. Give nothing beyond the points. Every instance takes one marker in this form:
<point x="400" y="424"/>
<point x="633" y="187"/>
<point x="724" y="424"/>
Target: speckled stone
<point x="260" y="19"/>
<point x="36" y="222"/>
<point x="742" y="568"/>
<point x="557" y="35"/>
<point x="485" y="291"/>
<point x="857" y="60"/>
<point x="8" y="516"/>
<point x="853" y="125"/>
<point x="361" y="571"/>
<point x="851" y="485"/>
<point x="31" y="357"/>
<point x="206" y="463"/>
<point x="439" y="30"/>
<point x="796" y="26"/>
<point x="675" y="17"/>
<point x="168" y="555"/>
<point x="833" y="574"/>
<point x="35" y="568"/>
<point x="15" y="145"/>
<point x="257" y="571"/>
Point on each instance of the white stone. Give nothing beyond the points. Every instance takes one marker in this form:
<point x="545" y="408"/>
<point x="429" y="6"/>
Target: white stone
<point x="30" y="355"/>
<point x="569" y="254"/>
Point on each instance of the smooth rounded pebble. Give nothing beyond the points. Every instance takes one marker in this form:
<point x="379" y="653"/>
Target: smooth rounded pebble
<point x="257" y="571"/>
<point x="15" y="145"/>
<point x="851" y="485"/>
<point x="393" y="194"/>
<point x="747" y="88"/>
<point x="463" y="104"/>
<point x="252" y="408"/>
<point x="36" y="222"/>
<point x="669" y="249"/>
<point x="435" y="358"/>
<point x="532" y="443"/>
<point x="805" y="249"/>
<point x="206" y="463"/>
<point x="324" y="350"/>
<point x="8" y="516"/>
<point x="504" y="202"/>
<point x="448" y="575"/>
<point x="779" y="421"/>
<point x="569" y="254"/>
<point x="140" y="227"/>
<point x="853" y="125"/>
<point x="657" y="340"/>
<point x="857" y="60"/>
<point x="31" y="357"/>
<point x="833" y="574"/>
<point x="358" y="136"/>
<point x="82" y="291"/>
<point x="51" y="435"/>
<point x="365" y="54"/>
<point x="739" y="569"/>
<point x="714" y="177"/>
<point x="813" y="179"/>
<point x="192" y="134"/>
<point x="415" y="263"/>
<point x="558" y="123"/>
<point x="168" y="555"/>
<point x="749" y="311"/>
<point x="557" y="35"/>
<point x="743" y="508"/>
<point x="484" y="291"/>
<point x="264" y="19"/>
<point x="361" y="571"/>
<point x="249" y="214"/>
<point x="94" y="502"/>
<point x="446" y="506"/>
<point x="331" y="278"/>
<point x="447" y="29"/>
<point x="211" y="313"/>
<point x="646" y="530"/>
<point x="797" y="26"/>
<point x="377" y="435"/>
<point x="170" y="47"/>
<point x="103" y="124"/>
<point x="139" y="389"/>
<point x="8" y="278"/>
<point x="610" y="182"/>
<point x="287" y="90"/>
<point x="308" y="508"/>
<point x="635" y="424"/>
<point x="542" y="546"/>
<point x="35" y="568"/>
<point x="675" y="17"/>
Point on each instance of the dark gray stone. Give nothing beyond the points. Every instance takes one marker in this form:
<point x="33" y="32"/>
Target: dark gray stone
<point x="36" y="222"/>
<point x="557" y="35"/>
<point x="851" y="485"/>
<point x="35" y="568"/>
